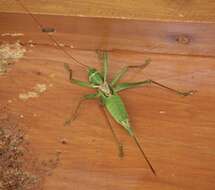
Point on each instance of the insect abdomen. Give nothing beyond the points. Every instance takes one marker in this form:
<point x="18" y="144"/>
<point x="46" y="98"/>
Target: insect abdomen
<point x="116" y="107"/>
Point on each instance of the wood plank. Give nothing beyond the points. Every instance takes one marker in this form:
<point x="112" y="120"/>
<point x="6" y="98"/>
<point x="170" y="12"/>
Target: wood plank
<point x="103" y="33"/>
<point x="169" y="10"/>
<point x="177" y="133"/>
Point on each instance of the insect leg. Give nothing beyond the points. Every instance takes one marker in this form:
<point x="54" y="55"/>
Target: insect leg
<point x="186" y="93"/>
<point x="123" y="86"/>
<point x="75" y="113"/>
<point x="124" y="70"/>
<point x="119" y="144"/>
<point x="105" y="60"/>
<point x="75" y="81"/>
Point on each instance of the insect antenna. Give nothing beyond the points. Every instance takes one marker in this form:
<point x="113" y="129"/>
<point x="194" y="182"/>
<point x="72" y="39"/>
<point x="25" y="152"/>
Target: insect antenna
<point x="50" y="36"/>
<point x="144" y="155"/>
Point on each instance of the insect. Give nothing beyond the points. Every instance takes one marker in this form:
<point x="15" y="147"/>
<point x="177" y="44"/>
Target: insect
<point x="107" y="92"/>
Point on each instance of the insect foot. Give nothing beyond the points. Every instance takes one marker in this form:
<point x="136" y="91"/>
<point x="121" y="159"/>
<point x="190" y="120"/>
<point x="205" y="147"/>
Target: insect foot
<point x="66" y="66"/>
<point x="67" y="122"/>
<point x="191" y="92"/>
<point x="121" y="151"/>
<point x="147" y="62"/>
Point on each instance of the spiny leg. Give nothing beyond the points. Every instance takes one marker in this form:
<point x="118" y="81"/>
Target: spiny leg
<point x="74" y="114"/>
<point x="76" y="111"/>
<point x="186" y="93"/>
<point x="75" y="81"/>
<point x="105" y="60"/>
<point x="124" y="86"/>
<point x="119" y="144"/>
<point x="124" y="70"/>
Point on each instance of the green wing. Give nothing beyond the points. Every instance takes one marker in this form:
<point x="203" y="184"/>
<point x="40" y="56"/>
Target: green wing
<point x="116" y="107"/>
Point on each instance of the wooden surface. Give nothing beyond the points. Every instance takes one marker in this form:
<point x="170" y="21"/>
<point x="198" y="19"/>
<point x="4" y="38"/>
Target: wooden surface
<point x="161" y="10"/>
<point x="167" y="27"/>
<point x="177" y="133"/>
<point x="102" y="33"/>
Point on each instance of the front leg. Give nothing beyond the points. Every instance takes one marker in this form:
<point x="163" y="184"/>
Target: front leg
<point x="105" y="61"/>
<point x="124" y="70"/>
<point x="75" y="81"/>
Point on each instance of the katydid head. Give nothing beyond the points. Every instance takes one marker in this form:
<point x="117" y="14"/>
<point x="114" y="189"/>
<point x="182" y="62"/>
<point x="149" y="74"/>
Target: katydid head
<point x="95" y="76"/>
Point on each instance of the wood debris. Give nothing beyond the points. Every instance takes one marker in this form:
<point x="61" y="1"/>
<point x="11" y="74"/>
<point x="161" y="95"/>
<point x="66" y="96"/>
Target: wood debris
<point x="8" y="54"/>
<point x="35" y="92"/>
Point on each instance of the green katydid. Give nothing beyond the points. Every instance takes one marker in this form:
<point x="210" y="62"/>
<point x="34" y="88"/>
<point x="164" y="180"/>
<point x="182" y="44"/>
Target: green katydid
<point x="107" y="93"/>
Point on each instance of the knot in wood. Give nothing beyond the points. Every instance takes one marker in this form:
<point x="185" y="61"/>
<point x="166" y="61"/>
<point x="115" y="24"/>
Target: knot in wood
<point x="183" y="39"/>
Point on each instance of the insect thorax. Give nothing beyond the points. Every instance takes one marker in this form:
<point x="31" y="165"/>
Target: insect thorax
<point x="95" y="77"/>
<point x="105" y="88"/>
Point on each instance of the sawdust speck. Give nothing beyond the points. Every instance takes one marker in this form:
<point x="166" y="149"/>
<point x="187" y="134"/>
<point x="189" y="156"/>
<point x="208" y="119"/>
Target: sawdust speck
<point x="12" y="34"/>
<point x="20" y="169"/>
<point x="61" y="44"/>
<point x="37" y="90"/>
<point x="8" y="54"/>
<point x="27" y="95"/>
<point x="9" y="101"/>
<point x="40" y="88"/>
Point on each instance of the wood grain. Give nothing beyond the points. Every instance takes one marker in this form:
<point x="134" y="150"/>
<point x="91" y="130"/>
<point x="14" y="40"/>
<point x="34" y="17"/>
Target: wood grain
<point x="160" y="10"/>
<point x="102" y="33"/>
<point x="178" y="134"/>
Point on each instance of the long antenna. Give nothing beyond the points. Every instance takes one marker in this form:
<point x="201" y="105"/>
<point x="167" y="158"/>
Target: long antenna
<point x="50" y="36"/>
<point x="144" y="155"/>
